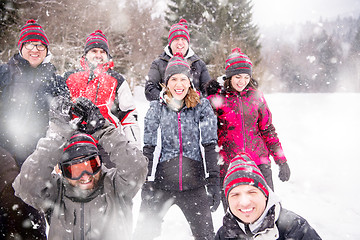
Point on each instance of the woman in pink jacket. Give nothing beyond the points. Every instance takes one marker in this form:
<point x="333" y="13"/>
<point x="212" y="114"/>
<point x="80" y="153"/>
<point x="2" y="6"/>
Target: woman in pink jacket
<point x="244" y="119"/>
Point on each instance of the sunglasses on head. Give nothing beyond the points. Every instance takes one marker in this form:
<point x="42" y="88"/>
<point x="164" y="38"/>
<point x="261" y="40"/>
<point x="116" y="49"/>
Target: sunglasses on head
<point x="74" y="170"/>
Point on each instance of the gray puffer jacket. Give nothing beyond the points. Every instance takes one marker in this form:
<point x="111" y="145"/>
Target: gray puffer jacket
<point x="102" y="213"/>
<point x="180" y="165"/>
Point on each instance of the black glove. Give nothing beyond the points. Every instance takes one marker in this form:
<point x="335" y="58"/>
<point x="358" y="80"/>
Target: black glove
<point x="284" y="173"/>
<point x="89" y="113"/>
<point x="60" y="110"/>
<point x="147" y="190"/>
<point x="214" y="192"/>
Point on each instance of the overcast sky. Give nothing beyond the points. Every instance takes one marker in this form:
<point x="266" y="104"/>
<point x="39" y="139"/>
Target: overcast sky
<point x="266" y="12"/>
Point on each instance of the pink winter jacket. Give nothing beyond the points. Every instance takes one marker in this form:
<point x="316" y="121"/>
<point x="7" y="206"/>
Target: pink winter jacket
<point x="245" y="125"/>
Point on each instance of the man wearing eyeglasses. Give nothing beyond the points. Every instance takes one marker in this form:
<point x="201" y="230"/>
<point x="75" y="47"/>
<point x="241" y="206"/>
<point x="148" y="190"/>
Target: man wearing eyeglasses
<point x="27" y="83"/>
<point x="83" y="198"/>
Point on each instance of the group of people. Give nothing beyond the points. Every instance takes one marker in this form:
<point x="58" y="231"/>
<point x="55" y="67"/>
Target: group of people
<point x="72" y="147"/>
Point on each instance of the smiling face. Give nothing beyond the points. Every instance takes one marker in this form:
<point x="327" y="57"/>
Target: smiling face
<point x="179" y="45"/>
<point x="97" y="56"/>
<point x="86" y="182"/>
<point x="247" y="203"/>
<point x="33" y="56"/>
<point x="240" y="81"/>
<point x="179" y="85"/>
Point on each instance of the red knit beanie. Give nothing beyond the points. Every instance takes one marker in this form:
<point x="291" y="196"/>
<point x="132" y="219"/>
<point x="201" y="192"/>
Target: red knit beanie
<point x="243" y="171"/>
<point x="236" y="63"/>
<point x="96" y="39"/>
<point x="32" y="32"/>
<point x="179" y="29"/>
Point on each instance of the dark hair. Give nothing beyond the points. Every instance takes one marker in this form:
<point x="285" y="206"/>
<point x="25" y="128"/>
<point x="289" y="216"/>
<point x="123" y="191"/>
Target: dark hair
<point x="253" y="83"/>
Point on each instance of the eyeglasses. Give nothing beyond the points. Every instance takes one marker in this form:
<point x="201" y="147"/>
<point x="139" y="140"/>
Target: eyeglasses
<point x="75" y="170"/>
<point x="30" y="46"/>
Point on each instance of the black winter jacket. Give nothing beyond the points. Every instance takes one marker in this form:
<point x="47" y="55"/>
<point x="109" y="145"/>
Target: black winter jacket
<point x="25" y="94"/>
<point x="275" y="223"/>
<point x="199" y="72"/>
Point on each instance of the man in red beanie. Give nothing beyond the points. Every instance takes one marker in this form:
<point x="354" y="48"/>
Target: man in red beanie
<point x="83" y="198"/>
<point x="107" y="89"/>
<point x="27" y="85"/>
<point x="178" y="42"/>
<point x="254" y="210"/>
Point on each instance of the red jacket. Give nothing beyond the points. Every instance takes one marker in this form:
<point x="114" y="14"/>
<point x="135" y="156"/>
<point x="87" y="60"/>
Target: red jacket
<point x="108" y="90"/>
<point x="245" y="125"/>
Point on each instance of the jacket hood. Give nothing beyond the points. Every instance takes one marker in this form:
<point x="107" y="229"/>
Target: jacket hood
<point x="99" y="69"/>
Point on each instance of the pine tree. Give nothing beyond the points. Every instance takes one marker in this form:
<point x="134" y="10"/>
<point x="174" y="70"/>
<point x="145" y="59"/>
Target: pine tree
<point x="216" y="28"/>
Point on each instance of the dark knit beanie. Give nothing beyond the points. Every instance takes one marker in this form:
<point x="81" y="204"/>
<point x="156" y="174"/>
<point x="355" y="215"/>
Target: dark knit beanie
<point x="243" y="171"/>
<point x="32" y="32"/>
<point x="176" y="65"/>
<point x="96" y="39"/>
<point x="179" y="29"/>
<point x="79" y="145"/>
<point x="237" y="63"/>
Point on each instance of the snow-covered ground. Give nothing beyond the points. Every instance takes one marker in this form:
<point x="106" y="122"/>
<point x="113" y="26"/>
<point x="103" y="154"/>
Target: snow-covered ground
<point x="320" y="136"/>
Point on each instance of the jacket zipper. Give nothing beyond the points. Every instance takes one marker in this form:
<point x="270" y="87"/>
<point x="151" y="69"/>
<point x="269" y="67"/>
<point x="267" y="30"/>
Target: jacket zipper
<point x="242" y="122"/>
<point x="82" y="219"/>
<point x="181" y="153"/>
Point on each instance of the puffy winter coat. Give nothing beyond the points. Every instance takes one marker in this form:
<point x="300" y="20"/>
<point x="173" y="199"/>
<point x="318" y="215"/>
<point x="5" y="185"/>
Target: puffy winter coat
<point x="25" y="95"/>
<point x="245" y="125"/>
<point x="101" y="213"/>
<point x="275" y="223"/>
<point x="13" y="211"/>
<point x="110" y="92"/>
<point x="180" y="165"/>
<point x="199" y="73"/>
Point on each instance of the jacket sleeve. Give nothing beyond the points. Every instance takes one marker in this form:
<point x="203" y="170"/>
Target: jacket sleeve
<point x="151" y="126"/>
<point x="204" y="78"/>
<point x="152" y="85"/>
<point x="128" y="114"/>
<point x="293" y="226"/>
<point x="36" y="184"/>
<point x="131" y="164"/>
<point x="208" y="128"/>
<point x="268" y="132"/>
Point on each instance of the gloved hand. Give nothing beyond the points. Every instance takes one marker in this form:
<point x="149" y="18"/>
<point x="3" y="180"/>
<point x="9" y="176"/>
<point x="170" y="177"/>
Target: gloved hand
<point x="284" y="173"/>
<point x="147" y="190"/>
<point x="90" y="114"/>
<point x="60" y="111"/>
<point x="214" y="194"/>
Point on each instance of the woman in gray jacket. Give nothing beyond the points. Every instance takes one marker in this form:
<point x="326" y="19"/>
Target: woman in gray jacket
<point x="186" y="122"/>
<point x="82" y="198"/>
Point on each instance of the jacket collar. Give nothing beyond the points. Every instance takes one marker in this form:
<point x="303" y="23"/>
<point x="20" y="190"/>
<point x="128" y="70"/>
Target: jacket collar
<point x="101" y="68"/>
<point x="189" y="53"/>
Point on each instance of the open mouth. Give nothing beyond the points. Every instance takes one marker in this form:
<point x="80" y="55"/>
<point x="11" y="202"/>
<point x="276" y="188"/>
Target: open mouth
<point x="87" y="181"/>
<point x="246" y="210"/>
<point x="179" y="91"/>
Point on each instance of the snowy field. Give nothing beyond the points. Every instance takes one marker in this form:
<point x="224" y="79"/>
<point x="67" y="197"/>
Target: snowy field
<point x="320" y="136"/>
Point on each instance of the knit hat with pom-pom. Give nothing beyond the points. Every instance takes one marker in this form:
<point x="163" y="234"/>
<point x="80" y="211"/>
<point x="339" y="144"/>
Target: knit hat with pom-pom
<point x="243" y="171"/>
<point x="32" y="32"/>
<point x="176" y="65"/>
<point x="237" y="63"/>
<point x="96" y="39"/>
<point x="179" y="29"/>
<point x="79" y="145"/>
